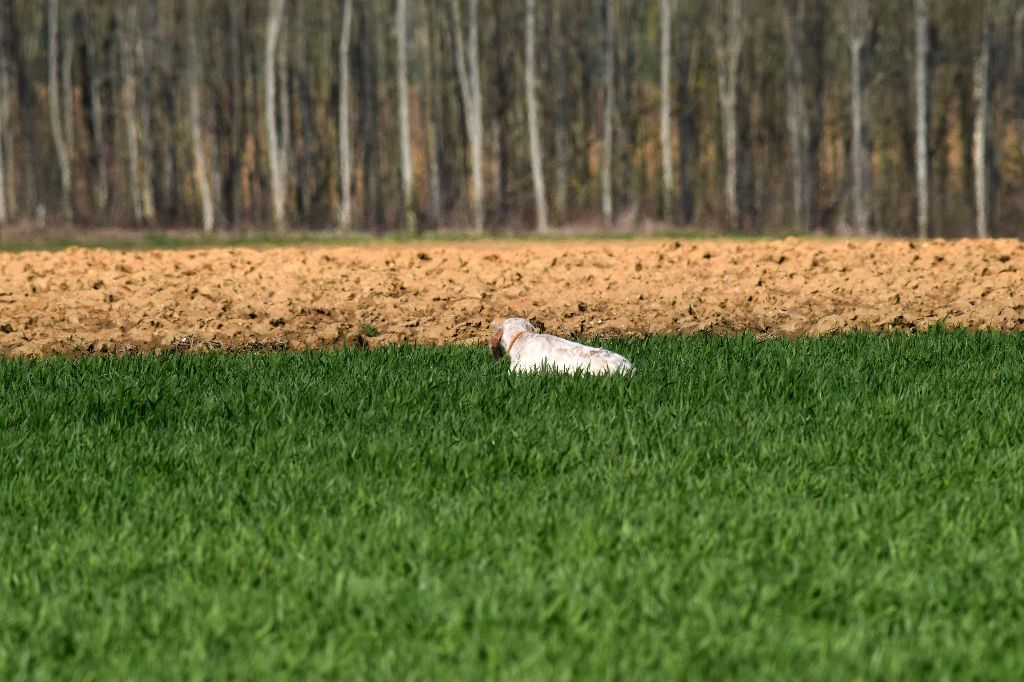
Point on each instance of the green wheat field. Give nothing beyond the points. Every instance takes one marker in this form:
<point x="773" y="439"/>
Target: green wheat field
<point x="838" y="508"/>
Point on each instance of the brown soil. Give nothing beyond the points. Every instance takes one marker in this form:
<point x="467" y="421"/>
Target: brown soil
<point x="93" y="300"/>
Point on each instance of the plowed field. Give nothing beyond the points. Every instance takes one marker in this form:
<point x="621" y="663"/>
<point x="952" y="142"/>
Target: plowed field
<point x="95" y="301"/>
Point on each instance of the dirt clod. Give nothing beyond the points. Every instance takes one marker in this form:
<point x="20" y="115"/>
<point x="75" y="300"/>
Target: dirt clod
<point x="311" y="297"/>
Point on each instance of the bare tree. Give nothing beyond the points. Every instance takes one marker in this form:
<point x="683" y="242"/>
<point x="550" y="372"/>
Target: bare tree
<point x="309" y="83"/>
<point x="666" y="109"/>
<point x="344" y="119"/>
<point x="467" y="63"/>
<point x="202" y="178"/>
<point x="687" y="63"/>
<point x="405" y="144"/>
<point x="129" y="111"/>
<point x="60" y="139"/>
<point x="114" y="94"/>
<point x="796" y="114"/>
<point x="101" y="184"/>
<point x="144" y="110"/>
<point x="607" y="208"/>
<point x="860" y="144"/>
<point x="5" y="120"/>
<point x="274" y="154"/>
<point x="367" y="74"/>
<point x="67" y="52"/>
<point x="536" y="162"/>
<point x="283" y="87"/>
<point x="561" y="104"/>
<point x="430" y="48"/>
<point x="728" y="48"/>
<point x="980" y="140"/>
<point x="1018" y="58"/>
<point x="921" y="82"/>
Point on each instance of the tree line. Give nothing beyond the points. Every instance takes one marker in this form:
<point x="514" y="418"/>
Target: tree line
<point x="901" y="117"/>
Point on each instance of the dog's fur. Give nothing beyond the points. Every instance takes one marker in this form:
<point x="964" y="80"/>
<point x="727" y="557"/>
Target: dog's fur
<point x="529" y="351"/>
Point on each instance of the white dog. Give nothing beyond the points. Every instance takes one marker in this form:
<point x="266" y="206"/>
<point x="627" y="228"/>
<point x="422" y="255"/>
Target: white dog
<point x="530" y="351"/>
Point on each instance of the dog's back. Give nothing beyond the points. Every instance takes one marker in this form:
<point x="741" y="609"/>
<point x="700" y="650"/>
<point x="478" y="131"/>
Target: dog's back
<point x="543" y="351"/>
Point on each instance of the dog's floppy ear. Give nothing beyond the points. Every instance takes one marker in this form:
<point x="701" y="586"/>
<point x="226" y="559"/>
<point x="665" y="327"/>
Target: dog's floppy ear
<point x="496" y="344"/>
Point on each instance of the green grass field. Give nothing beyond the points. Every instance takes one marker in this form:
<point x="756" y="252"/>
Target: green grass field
<point x="842" y="508"/>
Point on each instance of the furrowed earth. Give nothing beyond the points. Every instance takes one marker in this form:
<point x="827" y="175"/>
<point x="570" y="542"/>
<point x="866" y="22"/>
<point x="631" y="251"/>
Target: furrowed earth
<point x="79" y="301"/>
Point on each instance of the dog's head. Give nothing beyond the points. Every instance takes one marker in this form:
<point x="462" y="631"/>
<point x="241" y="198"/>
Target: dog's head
<point x="506" y="332"/>
<point x="496" y="343"/>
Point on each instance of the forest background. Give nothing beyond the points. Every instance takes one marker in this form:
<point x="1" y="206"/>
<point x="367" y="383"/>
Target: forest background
<point x="850" y="117"/>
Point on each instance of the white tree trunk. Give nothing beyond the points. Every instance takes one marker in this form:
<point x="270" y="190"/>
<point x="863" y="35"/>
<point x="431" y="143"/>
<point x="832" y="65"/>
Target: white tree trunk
<point x="430" y="49"/>
<point x="536" y="161"/>
<point x="5" y="119"/>
<point x="666" y="109"/>
<point x="274" y="15"/>
<point x="1018" y="51"/>
<point x="921" y="49"/>
<point x="858" y="105"/>
<point x="67" y="52"/>
<point x="981" y="131"/>
<point x="284" y="111"/>
<point x="129" y="109"/>
<point x="144" y="123"/>
<point x="54" y="99"/>
<point x="796" y="114"/>
<point x="478" y="116"/>
<point x="729" y="47"/>
<point x="4" y="215"/>
<point x="8" y="199"/>
<point x="607" y="208"/>
<point x="344" y="119"/>
<point x="468" y="70"/>
<point x="404" y="139"/>
<point x="860" y="218"/>
<point x="202" y="177"/>
<point x="561" y="192"/>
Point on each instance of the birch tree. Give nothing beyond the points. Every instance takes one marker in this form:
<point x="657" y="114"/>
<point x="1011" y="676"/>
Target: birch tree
<point x="536" y="161"/>
<point x="666" y="109"/>
<point x="860" y="142"/>
<point x="607" y="152"/>
<point x="728" y="48"/>
<point x="196" y="119"/>
<point x="67" y="96"/>
<point x="405" y="144"/>
<point x="129" y="111"/>
<point x="560" y="68"/>
<point x="344" y="120"/>
<point x="143" y="67"/>
<point x="5" y="118"/>
<point x="60" y="140"/>
<point x="274" y="17"/>
<point x="1018" y="52"/>
<point x="283" y="87"/>
<point x="101" y="183"/>
<point x="114" y="94"/>
<point x="980" y="138"/>
<point x="921" y="87"/>
<point x="467" y="63"/>
<point x="796" y="113"/>
<point x="431" y="50"/>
